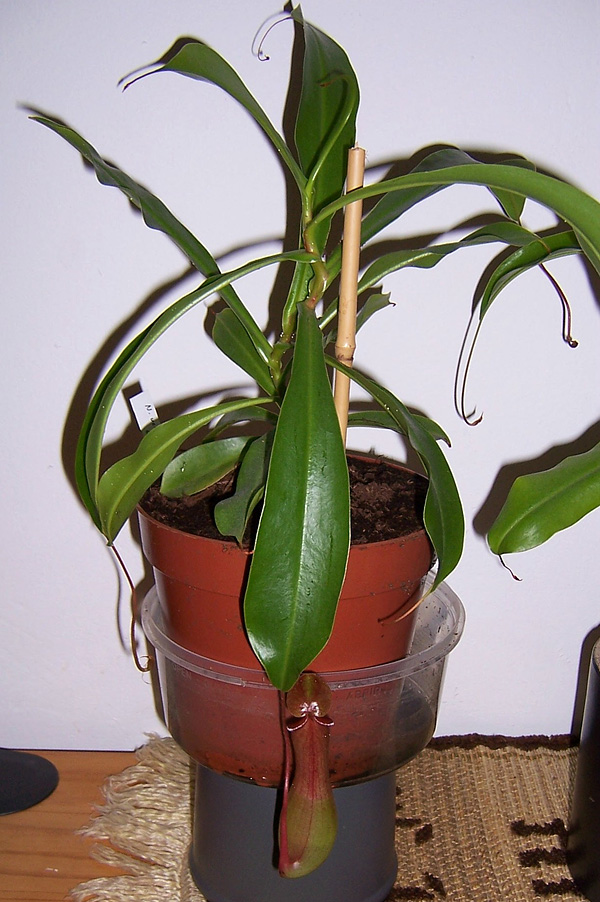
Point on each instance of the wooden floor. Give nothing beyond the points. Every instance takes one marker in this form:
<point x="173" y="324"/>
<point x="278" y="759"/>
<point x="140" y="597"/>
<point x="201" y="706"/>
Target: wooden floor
<point x="41" y="856"/>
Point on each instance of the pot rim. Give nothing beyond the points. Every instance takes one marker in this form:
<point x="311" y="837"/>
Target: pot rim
<point x="364" y="678"/>
<point x="231" y="542"/>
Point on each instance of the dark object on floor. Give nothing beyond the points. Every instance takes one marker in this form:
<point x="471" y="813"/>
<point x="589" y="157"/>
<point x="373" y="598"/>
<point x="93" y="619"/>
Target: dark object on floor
<point x="25" y="780"/>
<point x="584" y="830"/>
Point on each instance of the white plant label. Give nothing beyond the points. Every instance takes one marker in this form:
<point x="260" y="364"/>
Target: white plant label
<point x="144" y="411"/>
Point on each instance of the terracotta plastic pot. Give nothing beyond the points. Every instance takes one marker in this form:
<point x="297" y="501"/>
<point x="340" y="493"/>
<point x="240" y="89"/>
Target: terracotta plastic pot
<point x="200" y="584"/>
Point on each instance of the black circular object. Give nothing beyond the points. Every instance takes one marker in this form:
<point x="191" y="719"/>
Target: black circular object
<point x="25" y="780"/>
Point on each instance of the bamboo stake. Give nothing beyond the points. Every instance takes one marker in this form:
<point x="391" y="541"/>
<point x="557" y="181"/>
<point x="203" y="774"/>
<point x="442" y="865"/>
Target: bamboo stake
<point x="345" y="345"/>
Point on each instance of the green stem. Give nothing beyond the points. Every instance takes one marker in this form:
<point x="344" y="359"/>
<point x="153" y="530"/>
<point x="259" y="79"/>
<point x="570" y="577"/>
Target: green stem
<point x="297" y="293"/>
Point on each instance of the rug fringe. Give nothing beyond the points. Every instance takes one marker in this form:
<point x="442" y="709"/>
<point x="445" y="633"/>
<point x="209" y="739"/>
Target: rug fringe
<point x="146" y="804"/>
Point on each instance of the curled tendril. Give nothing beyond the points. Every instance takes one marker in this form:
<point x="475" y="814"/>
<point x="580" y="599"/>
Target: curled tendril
<point x="143" y="668"/>
<point x="566" y="309"/>
<point x="506" y="567"/>
<point x="264" y="31"/>
<point x="460" y="384"/>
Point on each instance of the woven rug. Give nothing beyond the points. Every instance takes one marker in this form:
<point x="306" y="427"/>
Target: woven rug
<point x="479" y="819"/>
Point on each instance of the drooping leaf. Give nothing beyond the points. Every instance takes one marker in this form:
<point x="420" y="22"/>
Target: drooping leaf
<point x="197" y="60"/>
<point x="443" y="513"/>
<point x="503" y="231"/>
<point x="513" y="203"/>
<point x="392" y="205"/>
<point x="244" y="415"/>
<point x="233" y="514"/>
<point x="198" y="467"/>
<point x="233" y="340"/>
<point x="527" y="257"/>
<point x="541" y="504"/>
<point x="303" y="538"/>
<point x="576" y="208"/>
<point x="92" y="433"/>
<point x="157" y="216"/>
<point x="326" y="118"/>
<point x="381" y="419"/>
<point x="122" y="485"/>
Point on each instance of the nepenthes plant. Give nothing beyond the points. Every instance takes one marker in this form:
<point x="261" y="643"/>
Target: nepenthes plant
<point x="295" y="469"/>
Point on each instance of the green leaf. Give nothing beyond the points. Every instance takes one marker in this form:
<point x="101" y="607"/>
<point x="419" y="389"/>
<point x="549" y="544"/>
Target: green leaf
<point x="251" y="414"/>
<point x="90" y="440"/>
<point x="122" y="485"/>
<point x="513" y="204"/>
<point x="198" y="467"/>
<point x="326" y="119"/>
<point x="502" y="231"/>
<point x="157" y="216"/>
<point x="373" y="304"/>
<point x="541" y="504"/>
<point x="537" y="252"/>
<point x="392" y="205"/>
<point x="197" y="60"/>
<point x="233" y="340"/>
<point x="574" y="206"/>
<point x="381" y="419"/>
<point x="443" y="514"/>
<point x="232" y="514"/>
<point x="303" y="538"/>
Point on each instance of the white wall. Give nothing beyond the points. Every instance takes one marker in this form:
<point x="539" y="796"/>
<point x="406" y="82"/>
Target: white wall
<point x="76" y="262"/>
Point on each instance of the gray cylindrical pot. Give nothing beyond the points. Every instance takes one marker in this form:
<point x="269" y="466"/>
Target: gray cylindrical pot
<point x="235" y="823"/>
<point x="583" y="847"/>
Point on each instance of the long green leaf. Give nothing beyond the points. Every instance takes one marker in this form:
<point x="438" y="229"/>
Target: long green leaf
<point x="537" y="252"/>
<point x="122" y="485"/>
<point x="303" y="538"/>
<point x="232" y="339"/>
<point x="197" y="60"/>
<point x="90" y="443"/>
<point x="381" y="419"/>
<point x="541" y="504"/>
<point x="392" y="205"/>
<point x="88" y="453"/>
<point x="577" y="208"/>
<point x="326" y="118"/>
<point x="198" y="467"/>
<point x="157" y="216"/>
<point x="502" y="231"/>
<point x="252" y="414"/>
<point x="443" y="514"/>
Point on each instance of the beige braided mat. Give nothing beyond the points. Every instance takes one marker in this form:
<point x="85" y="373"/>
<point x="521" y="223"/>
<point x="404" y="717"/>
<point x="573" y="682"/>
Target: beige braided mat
<point x="480" y="819"/>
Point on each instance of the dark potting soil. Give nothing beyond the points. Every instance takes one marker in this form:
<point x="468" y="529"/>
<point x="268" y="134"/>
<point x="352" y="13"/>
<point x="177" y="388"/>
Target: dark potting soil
<point x="386" y="502"/>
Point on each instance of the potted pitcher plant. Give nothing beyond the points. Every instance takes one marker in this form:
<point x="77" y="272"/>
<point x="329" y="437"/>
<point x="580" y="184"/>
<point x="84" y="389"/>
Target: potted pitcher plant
<point x="269" y="587"/>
